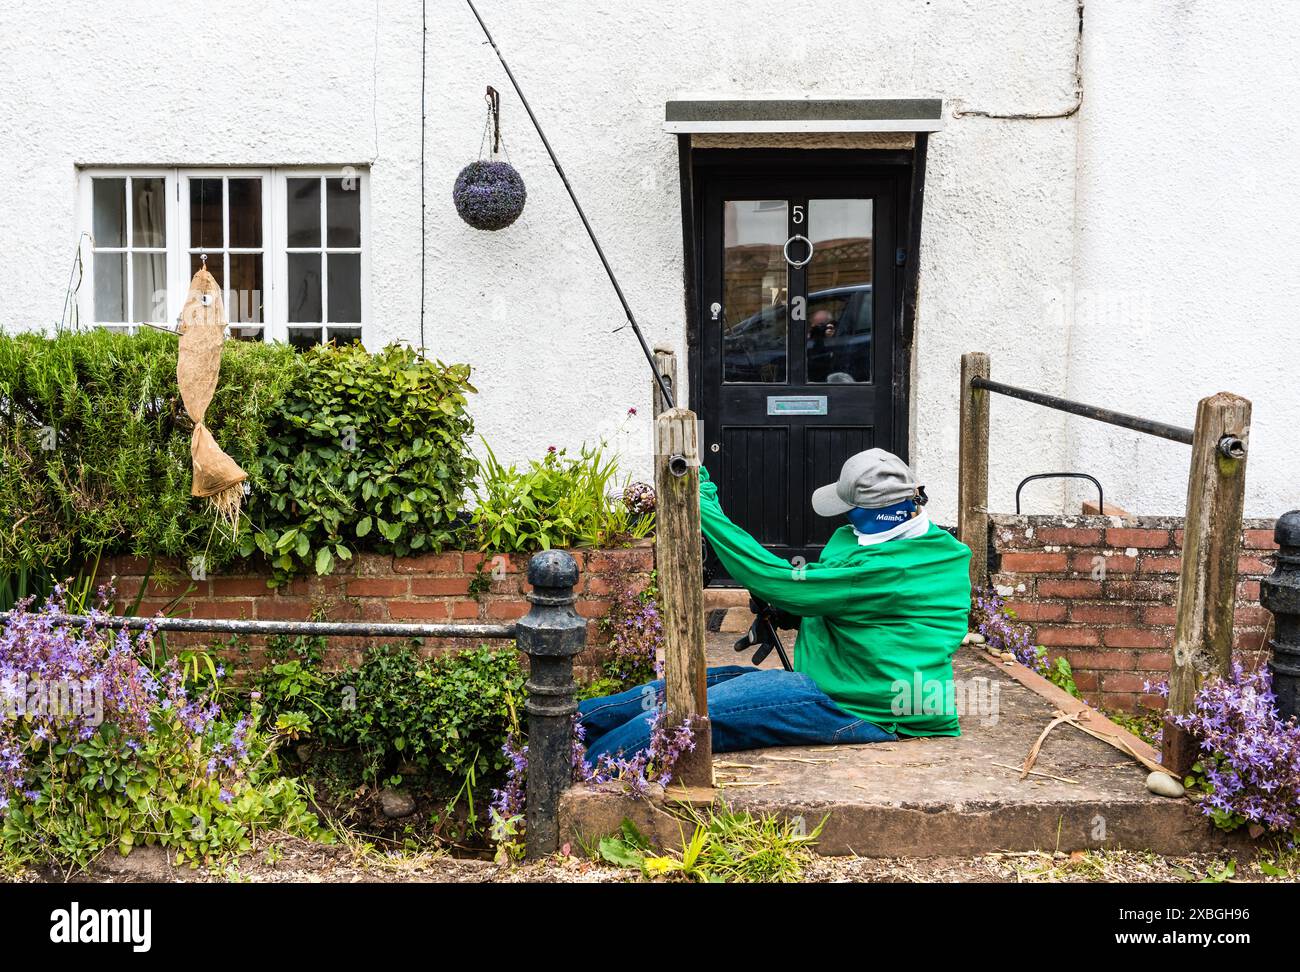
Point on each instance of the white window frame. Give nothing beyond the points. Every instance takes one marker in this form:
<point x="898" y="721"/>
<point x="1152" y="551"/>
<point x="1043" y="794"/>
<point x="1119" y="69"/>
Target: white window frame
<point x="268" y="237"/>
<point x="282" y="249"/>
<point x="275" y="311"/>
<point x="86" y="295"/>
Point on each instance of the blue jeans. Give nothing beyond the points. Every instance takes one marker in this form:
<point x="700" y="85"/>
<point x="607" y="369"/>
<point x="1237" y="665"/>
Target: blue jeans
<point x="749" y="708"/>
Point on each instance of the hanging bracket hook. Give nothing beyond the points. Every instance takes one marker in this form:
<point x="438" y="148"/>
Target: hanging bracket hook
<point x="494" y="111"/>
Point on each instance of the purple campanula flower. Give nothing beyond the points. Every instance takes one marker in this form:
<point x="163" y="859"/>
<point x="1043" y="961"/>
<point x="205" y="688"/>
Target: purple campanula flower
<point x="1250" y="758"/>
<point x="111" y="667"/>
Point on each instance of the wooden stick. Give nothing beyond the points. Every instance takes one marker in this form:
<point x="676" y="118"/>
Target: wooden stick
<point x="973" y="468"/>
<point x="1027" y="768"/>
<point x="1034" y="772"/>
<point x="678" y="559"/>
<point x="1207" y="586"/>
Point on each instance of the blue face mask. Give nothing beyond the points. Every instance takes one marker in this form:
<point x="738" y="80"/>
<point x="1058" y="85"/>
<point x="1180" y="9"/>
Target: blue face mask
<point x="882" y="519"/>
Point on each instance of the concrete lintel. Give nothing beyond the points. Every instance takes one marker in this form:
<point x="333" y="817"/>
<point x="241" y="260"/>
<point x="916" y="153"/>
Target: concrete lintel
<point x="702" y="115"/>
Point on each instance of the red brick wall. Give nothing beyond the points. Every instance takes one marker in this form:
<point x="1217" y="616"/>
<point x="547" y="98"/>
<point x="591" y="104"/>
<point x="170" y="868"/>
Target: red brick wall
<point x="426" y="589"/>
<point x="1100" y="590"/>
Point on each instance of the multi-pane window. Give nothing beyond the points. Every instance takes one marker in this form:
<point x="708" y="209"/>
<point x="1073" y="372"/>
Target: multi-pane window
<point x="323" y="259"/>
<point x="128" y="222"/>
<point x="286" y="246"/>
<point x="226" y="224"/>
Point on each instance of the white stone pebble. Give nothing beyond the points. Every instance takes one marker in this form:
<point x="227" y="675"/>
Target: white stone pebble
<point x="1162" y="784"/>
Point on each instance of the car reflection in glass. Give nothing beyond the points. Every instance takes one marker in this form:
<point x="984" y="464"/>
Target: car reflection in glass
<point x="837" y="340"/>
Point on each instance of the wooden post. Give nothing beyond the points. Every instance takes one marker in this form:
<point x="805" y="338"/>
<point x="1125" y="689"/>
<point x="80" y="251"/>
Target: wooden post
<point x="1207" y="587"/>
<point x="666" y="365"/>
<point x="678" y="561"/>
<point x="973" y="468"/>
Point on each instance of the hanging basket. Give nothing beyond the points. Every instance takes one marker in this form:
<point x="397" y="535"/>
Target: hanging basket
<point x="489" y="195"/>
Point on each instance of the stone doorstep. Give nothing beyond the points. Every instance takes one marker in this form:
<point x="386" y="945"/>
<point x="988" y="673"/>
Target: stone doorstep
<point x="937" y="796"/>
<point x="724" y="598"/>
<point x="867" y="828"/>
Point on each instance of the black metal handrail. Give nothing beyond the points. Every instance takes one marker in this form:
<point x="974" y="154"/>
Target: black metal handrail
<point x="1161" y="430"/>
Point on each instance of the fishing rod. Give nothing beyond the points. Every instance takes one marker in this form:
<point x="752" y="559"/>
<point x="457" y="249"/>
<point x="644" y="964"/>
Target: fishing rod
<point x="664" y="388"/>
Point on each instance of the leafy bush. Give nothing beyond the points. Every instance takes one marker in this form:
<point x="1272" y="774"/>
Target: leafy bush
<point x="556" y="501"/>
<point x="100" y="752"/>
<point x="367" y="451"/>
<point x="291" y="679"/>
<point x="95" y="444"/>
<point x="345" y="450"/>
<point x="449" y="715"/>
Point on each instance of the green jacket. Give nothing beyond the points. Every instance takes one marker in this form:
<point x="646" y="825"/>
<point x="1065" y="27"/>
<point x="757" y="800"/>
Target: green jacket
<point x="881" y="622"/>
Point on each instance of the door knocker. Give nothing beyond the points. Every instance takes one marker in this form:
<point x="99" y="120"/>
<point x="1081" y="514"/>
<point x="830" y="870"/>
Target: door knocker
<point x="785" y="251"/>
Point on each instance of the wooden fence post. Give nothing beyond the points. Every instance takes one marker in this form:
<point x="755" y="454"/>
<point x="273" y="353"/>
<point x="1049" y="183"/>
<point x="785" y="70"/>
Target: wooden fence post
<point x="678" y="559"/>
<point x="973" y="468"/>
<point x="1207" y="587"/>
<point x="666" y="365"/>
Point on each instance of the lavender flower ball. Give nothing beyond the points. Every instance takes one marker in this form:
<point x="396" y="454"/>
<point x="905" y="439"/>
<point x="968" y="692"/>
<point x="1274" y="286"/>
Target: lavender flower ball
<point x="489" y="195"/>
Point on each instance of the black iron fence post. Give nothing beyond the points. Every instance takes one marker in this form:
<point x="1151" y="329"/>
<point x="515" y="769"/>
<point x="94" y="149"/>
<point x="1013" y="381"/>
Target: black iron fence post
<point x="551" y="634"/>
<point x="1280" y="593"/>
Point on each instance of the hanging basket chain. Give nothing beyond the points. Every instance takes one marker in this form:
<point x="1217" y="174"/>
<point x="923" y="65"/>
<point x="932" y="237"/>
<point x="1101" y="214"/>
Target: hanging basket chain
<point x="492" y="124"/>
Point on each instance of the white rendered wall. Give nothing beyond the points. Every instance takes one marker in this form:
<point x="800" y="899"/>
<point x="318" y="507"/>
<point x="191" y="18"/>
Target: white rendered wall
<point x="1021" y="217"/>
<point x="1188" y="240"/>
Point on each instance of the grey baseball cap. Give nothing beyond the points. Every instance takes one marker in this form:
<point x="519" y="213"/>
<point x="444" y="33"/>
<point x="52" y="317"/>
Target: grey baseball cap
<point x="870" y="479"/>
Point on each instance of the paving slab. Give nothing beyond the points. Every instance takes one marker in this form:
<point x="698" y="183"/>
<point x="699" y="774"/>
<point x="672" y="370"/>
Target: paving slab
<point x="938" y="796"/>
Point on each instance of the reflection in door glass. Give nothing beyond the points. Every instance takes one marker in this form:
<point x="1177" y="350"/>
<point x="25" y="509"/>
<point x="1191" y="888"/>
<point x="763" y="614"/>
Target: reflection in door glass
<point x="840" y="321"/>
<point x="754" y="291"/>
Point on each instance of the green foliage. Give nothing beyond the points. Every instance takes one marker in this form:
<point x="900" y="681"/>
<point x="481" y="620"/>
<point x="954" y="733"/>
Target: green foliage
<point x="291" y="681"/>
<point x="481" y="583"/>
<point x="599" y="687"/>
<point x="368" y="451"/>
<point x="345" y="451"/>
<point x="448" y="716"/>
<point x="725" y="845"/>
<point x="1059" y="672"/>
<point x="1216" y="873"/>
<point x="95" y="444"/>
<point x="38" y="583"/>
<point x="627" y="848"/>
<point x="1145" y="725"/>
<point x="556" y="501"/>
<point x="112" y="793"/>
<point x="507" y="833"/>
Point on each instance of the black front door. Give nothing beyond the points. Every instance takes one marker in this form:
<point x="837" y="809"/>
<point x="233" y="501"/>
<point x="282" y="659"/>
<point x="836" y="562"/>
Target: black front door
<point x="796" y="297"/>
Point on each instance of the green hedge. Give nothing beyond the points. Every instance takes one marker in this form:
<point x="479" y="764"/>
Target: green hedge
<point x="117" y="478"/>
<point x="94" y="451"/>
<point x="368" y="453"/>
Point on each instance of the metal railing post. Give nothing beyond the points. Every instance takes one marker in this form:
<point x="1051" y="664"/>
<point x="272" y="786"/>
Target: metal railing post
<point x="551" y="634"/>
<point x="1280" y="593"/>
